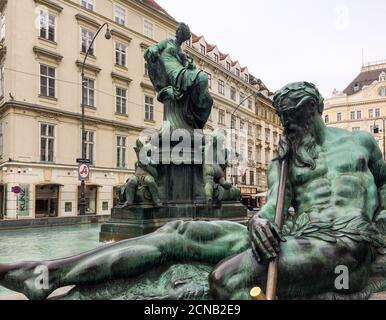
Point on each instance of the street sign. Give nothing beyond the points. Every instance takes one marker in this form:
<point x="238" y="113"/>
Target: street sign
<point x="83" y="171"/>
<point x="87" y="161"/>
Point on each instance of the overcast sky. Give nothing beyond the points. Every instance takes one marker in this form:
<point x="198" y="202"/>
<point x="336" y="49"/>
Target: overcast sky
<point x="284" y="41"/>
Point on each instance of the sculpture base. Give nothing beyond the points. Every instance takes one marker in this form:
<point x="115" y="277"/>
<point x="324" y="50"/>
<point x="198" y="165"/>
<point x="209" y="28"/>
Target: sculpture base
<point x="136" y="221"/>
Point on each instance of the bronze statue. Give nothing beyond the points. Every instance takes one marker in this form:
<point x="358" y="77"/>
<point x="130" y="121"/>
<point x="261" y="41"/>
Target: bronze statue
<point x="215" y="164"/>
<point x="144" y="179"/>
<point x="181" y="87"/>
<point x="336" y="185"/>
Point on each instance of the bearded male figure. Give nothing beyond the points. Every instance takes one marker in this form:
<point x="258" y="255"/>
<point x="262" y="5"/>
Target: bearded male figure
<point x="336" y="184"/>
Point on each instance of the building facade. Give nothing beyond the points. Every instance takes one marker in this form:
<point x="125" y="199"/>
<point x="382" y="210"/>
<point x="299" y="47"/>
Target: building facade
<point x="42" y="47"/>
<point x="362" y="105"/>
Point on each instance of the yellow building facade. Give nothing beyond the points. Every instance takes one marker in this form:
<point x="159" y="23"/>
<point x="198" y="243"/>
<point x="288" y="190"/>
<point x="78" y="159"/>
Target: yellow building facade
<point x="362" y="105"/>
<point x="42" y="47"/>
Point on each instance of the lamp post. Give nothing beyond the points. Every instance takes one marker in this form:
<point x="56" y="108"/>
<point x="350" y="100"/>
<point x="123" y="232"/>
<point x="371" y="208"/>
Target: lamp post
<point x="237" y="108"/>
<point x="83" y="160"/>
<point x="376" y="131"/>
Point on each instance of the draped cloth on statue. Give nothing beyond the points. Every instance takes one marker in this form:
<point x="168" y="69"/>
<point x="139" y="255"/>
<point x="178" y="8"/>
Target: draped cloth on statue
<point x="181" y="87"/>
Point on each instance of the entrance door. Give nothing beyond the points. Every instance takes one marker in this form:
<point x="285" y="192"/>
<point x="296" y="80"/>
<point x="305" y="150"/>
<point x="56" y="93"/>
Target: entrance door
<point x="46" y="201"/>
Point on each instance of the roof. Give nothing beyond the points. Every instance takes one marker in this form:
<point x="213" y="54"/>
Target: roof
<point x="223" y="56"/>
<point x="367" y="76"/>
<point x="196" y="38"/>
<point x="154" y="5"/>
<point x="210" y="47"/>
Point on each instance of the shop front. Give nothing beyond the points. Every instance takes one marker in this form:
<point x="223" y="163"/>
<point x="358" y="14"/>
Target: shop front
<point x="91" y="197"/>
<point x="47" y="200"/>
<point x="248" y="196"/>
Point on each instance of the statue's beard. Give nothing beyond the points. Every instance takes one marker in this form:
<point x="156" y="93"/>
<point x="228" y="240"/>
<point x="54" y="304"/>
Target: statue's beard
<point x="301" y="144"/>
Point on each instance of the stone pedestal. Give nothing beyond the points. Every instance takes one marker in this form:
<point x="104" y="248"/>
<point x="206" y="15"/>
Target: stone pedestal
<point x="136" y="221"/>
<point x="181" y="190"/>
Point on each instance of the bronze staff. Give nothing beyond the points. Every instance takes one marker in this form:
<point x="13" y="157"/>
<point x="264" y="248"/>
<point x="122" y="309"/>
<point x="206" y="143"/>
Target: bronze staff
<point x="279" y="220"/>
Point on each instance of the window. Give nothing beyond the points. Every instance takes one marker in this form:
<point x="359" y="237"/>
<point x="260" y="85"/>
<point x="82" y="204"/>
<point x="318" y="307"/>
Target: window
<point x="228" y="66"/>
<point x="202" y="49"/>
<point x="250" y="133"/>
<point x="258" y="132"/>
<point x="221" y="117"/>
<point x="47" y="25"/>
<point x="352" y="115"/>
<point x="68" y="207"/>
<point x="88" y="4"/>
<point x="121" y="101"/>
<point x="377" y="113"/>
<point x="2" y="70"/>
<point x="121" y="151"/>
<point x="149" y="108"/>
<point x="216" y="58"/>
<point x="250" y="153"/>
<point x="148" y="29"/>
<point x="242" y="98"/>
<point x="382" y="91"/>
<point x="251" y="178"/>
<point x="339" y="117"/>
<point x="359" y="115"/>
<point x="47" y="141"/>
<point x="326" y="119"/>
<point x="89" y="145"/>
<point x="47" y="81"/>
<point x="209" y="80"/>
<point x="250" y="104"/>
<point x="87" y="37"/>
<point x="267" y="135"/>
<point x="241" y="125"/>
<point x="238" y="72"/>
<point x="2" y="26"/>
<point x="120" y="15"/>
<point x="146" y="70"/>
<point x="105" y="206"/>
<point x="267" y="156"/>
<point x="88" y="92"/>
<point x="1" y="139"/>
<point x="233" y="122"/>
<point x="120" y="54"/>
<point x="356" y="129"/>
<point x="233" y="93"/>
<point x="221" y="87"/>
<point x="371" y="113"/>
<point x="382" y="76"/>
<point x="246" y="78"/>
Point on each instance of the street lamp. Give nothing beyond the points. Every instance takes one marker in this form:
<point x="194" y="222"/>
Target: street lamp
<point x="82" y="202"/>
<point x="237" y="108"/>
<point x="376" y="131"/>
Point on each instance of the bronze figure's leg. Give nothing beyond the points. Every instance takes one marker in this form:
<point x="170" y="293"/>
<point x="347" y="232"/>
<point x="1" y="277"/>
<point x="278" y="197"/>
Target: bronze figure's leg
<point x="152" y="185"/>
<point x="207" y="242"/>
<point x="306" y="268"/>
<point x="131" y="188"/>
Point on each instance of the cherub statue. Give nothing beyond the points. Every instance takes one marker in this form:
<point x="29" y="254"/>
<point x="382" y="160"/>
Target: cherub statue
<point x="216" y="162"/>
<point x="145" y="177"/>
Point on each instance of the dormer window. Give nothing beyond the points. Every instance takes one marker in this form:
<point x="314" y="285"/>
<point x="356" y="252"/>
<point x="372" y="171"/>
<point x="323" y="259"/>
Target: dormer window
<point x="382" y="76"/>
<point x="238" y="72"/>
<point x="246" y="78"/>
<point x="216" y="58"/>
<point x="228" y="66"/>
<point x="356" y="87"/>
<point x="202" y="49"/>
